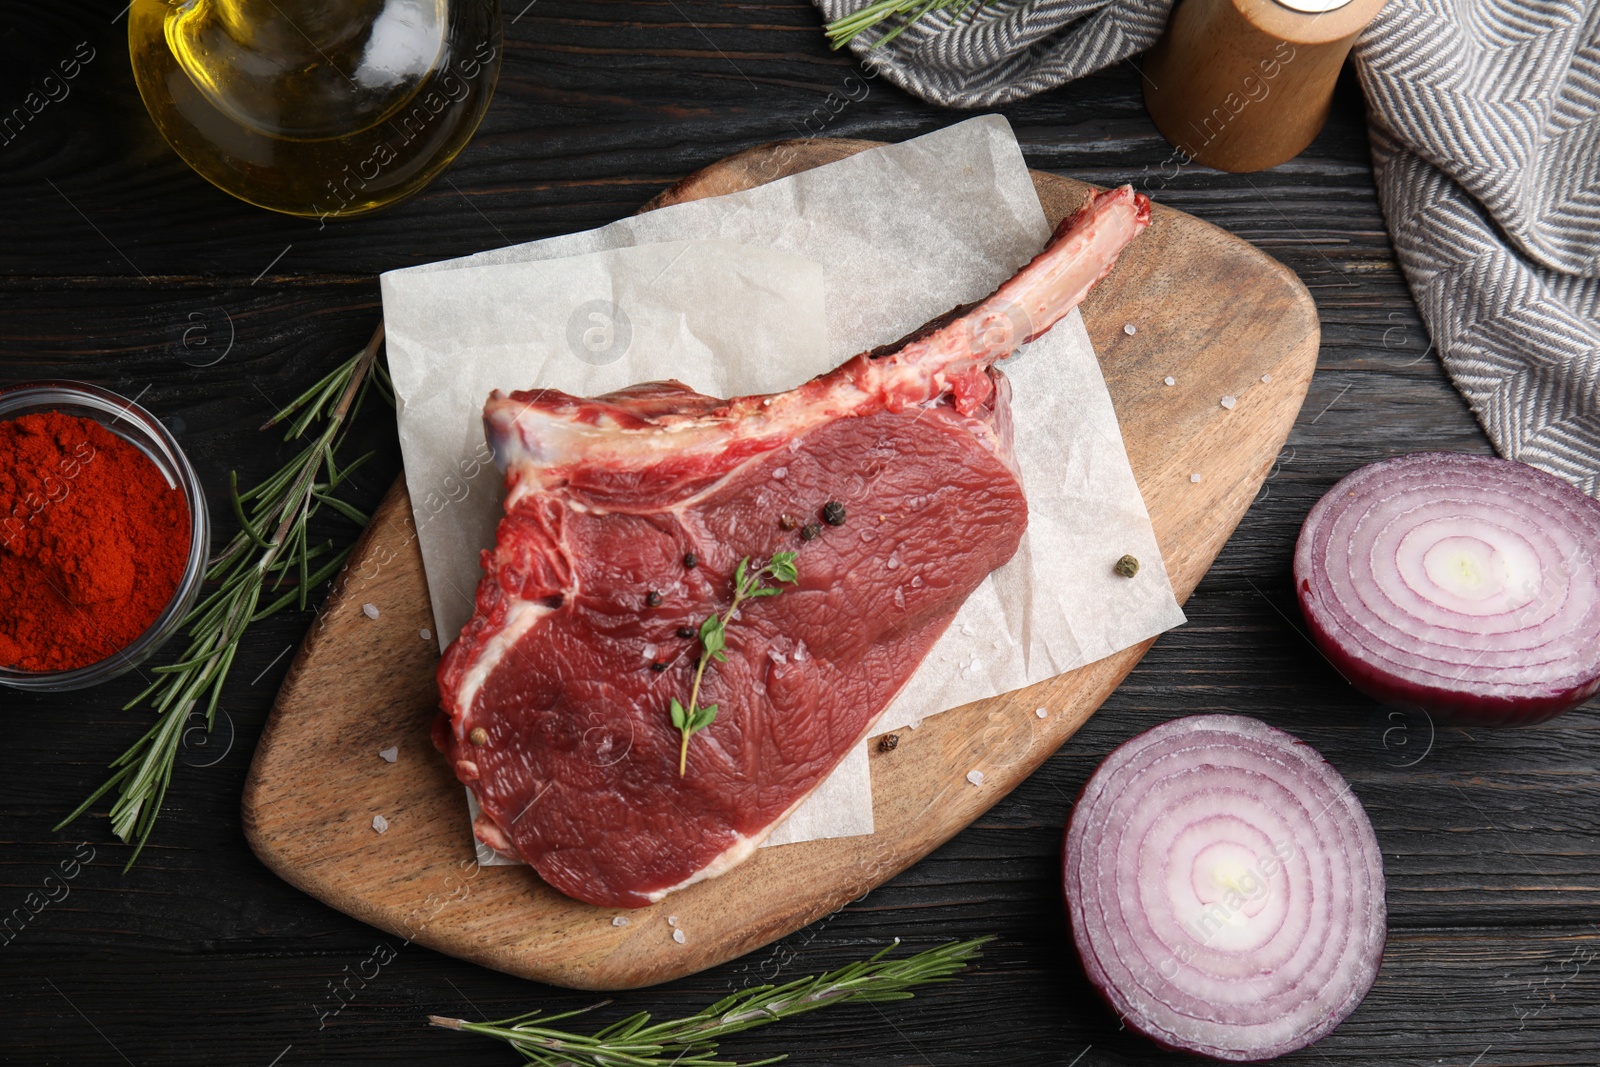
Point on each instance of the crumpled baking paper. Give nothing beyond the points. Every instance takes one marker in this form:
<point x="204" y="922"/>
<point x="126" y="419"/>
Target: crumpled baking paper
<point x="756" y="292"/>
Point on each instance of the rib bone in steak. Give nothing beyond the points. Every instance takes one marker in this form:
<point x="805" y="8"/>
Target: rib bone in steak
<point x="555" y="696"/>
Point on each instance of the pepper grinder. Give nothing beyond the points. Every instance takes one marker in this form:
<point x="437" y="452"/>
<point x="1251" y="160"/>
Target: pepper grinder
<point x="1242" y="85"/>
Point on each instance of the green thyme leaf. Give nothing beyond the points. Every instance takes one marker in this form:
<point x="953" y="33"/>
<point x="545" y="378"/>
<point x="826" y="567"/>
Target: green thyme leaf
<point x="783" y="568"/>
<point x="747" y="585"/>
<point x="702" y="718"/>
<point x="713" y="636"/>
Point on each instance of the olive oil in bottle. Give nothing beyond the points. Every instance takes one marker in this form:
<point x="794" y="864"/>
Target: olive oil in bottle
<point x="318" y="108"/>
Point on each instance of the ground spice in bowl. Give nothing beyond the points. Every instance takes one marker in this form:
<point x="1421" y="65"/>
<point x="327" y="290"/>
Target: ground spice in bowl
<point x="93" y="542"/>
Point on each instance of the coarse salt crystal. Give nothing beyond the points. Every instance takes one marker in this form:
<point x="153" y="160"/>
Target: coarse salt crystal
<point x="1170" y="380"/>
<point x="1129" y="329"/>
<point x="1043" y="713"/>
<point x="1195" y="477"/>
<point x="380" y="824"/>
<point x="369" y="610"/>
<point x="390" y="754"/>
<point x="677" y="935"/>
<point x="975" y="777"/>
<point x="672" y="920"/>
<point x="1228" y="402"/>
<point x="617" y="920"/>
<point x="1266" y="377"/>
<point x="427" y="634"/>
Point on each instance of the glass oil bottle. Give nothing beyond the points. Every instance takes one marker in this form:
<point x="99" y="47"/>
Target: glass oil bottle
<point x="318" y="108"/>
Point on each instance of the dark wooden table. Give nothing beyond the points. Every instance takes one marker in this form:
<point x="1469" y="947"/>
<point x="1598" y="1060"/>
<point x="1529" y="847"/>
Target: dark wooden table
<point x="118" y="265"/>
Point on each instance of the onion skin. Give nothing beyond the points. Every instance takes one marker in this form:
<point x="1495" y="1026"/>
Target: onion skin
<point x="1153" y="790"/>
<point x="1415" y="670"/>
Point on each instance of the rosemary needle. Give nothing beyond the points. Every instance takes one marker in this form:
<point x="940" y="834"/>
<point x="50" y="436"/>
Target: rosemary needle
<point x="692" y="1041"/>
<point x="272" y="547"/>
<point x="846" y="28"/>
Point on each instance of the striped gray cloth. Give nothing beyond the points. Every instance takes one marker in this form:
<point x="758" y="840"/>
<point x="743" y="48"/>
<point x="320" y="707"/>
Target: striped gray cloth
<point x="1485" y="120"/>
<point x="1006" y="49"/>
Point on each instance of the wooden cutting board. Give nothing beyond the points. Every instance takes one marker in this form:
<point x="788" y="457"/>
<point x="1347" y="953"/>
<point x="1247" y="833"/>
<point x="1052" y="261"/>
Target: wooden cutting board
<point x="1221" y="317"/>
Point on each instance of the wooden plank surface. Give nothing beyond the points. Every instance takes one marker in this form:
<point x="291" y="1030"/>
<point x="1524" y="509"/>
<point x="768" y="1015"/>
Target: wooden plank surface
<point x="201" y="956"/>
<point x="1220" y="316"/>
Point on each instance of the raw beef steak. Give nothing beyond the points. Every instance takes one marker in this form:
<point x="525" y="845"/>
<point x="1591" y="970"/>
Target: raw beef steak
<point x="556" y="694"/>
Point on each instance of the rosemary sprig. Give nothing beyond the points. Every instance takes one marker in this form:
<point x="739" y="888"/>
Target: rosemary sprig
<point x="272" y="547"/>
<point x="846" y="28"/>
<point x="747" y="585"/>
<point x="692" y="1041"/>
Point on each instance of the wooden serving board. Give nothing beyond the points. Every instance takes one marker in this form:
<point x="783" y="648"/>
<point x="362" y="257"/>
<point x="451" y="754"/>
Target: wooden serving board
<point x="1218" y="315"/>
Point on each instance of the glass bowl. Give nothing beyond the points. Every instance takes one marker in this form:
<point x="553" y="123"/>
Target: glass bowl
<point x="138" y="427"/>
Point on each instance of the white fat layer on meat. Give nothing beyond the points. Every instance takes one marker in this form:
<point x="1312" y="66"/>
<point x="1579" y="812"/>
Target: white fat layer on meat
<point x="725" y="861"/>
<point x="743" y="846"/>
<point x="520" y="618"/>
<point x="530" y="468"/>
<point x="533" y="440"/>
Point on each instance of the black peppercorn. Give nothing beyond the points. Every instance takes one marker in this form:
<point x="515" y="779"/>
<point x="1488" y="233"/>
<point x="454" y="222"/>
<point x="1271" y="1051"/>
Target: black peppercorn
<point x="833" y="513"/>
<point x="652" y="599"/>
<point x="809" y="531"/>
<point x="691" y="560"/>
<point x="658" y="666"/>
<point x="685" y="633"/>
<point x="888" y="742"/>
<point x="1127" y="566"/>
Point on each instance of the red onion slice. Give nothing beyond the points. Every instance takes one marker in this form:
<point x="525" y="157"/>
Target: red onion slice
<point x="1462" y="585"/>
<point x="1225" y="888"/>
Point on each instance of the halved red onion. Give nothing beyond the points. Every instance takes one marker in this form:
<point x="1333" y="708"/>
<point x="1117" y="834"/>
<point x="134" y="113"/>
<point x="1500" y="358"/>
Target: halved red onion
<point x="1462" y="585"/>
<point x="1225" y="888"/>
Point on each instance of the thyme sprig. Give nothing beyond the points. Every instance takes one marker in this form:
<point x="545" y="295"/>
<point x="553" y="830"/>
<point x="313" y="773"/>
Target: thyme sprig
<point x="747" y="585"/>
<point x="273" y="549"/>
<point x="846" y="28"/>
<point x="692" y="1041"/>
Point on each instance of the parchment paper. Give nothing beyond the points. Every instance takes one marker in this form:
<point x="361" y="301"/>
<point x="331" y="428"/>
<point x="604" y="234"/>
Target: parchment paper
<point x="756" y="292"/>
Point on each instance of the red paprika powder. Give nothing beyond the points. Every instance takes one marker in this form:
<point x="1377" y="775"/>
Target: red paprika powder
<point x="93" y="542"/>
